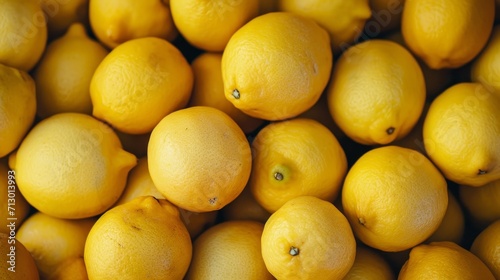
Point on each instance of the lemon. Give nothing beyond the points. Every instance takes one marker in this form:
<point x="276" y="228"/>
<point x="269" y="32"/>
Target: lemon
<point x="61" y="14"/>
<point x="447" y="34"/>
<point x="481" y="204"/>
<point x="485" y="67"/>
<point x="141" y="239"/>
<point x="63" y="75"/>
<point x="294" y="158"/>
<point x="71" y="166"/>
<point x="308" y="238"/>
<point x="443" y="260"/>
<point x="23" y="34"/>
<point x="199" y="158"/>
<point x="18" y="264"/>
<point x="117" y="21"/>
<point x="461" y="132"/>
<point x="53" y="241"/>
<point x="394" y="198"/>
<point x="452" y="226"/>
<point x="139" y="83"/>
<point x="486" y="247"/>
<point x="209" y="24"/>
<point x="369" y="265"/>
<point x="17" y="107"/>
<point x="377" y="92"/>
<point x="11" y="199"/>
<point x="269" y="73"/>
<point x="349" y="17"/>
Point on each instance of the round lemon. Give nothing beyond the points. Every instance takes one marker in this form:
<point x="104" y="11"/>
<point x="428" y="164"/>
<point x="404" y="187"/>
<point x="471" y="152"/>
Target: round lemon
<point x="481" y="204"/>
<point x="486" y="247"/>
<point x="485" y="67"/>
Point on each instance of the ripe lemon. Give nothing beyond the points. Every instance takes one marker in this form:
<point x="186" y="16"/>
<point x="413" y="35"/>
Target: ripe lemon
<point x="270" y="73"/>
<point x="485" y="68"/>
<point x="63" y="75"/>
<point x="52" y="241"/>
<point x="308" y="238"/>
<point x="61" y="14"/>
<point x="117" y="21"/>
<point x="71" y="166"/>
<point x="18" y="264"/>
<point x="377" y="92"/>
<point x="394" y="198"/>
<point x="208" y="90"/>
<point x="23" y="34"/>
<point x="209" y="24"/>
<point x="447" y="34"/>
<point x="486" y="246"/>
<point x="245" y="207"/>
<point x="12" y="201"/>
<point x="139" y="83"/>
<point x="369" y="265"/>
<point x="229" y="250"/>
<point x="139" y="183"/>
<point x="344" y="20"/>
<point x="481" y="203"/>
<point x="461" y="132"/>
<point x="443" y="260"/>
<point x="17" y="107"/>
<point x="294" y="158"/>
<point x="199" y="158"/>
<point x="453" y="224"/>
<point x="141" y="239"/>
<point x="71" y="269"/>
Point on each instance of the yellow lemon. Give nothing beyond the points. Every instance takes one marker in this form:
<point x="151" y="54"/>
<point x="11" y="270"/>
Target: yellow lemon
<point x="209" y="24"/>
<point x="71" y="269"/>
<point x="486" y="246"/>
<point x="18" y="263"/>
<point x="308" y="238"/>
<point x="139" y="83"/>
<point x="63" y="75"/>
<point x="452" y="226"/>
<point x="443" y="260"/>
<point x="208" y="90"/>
<point x="141" y="239"/>
<point x="17" y="107"/>
<point x="294" y="158"/>
<point x="117" y="21"/>
<point x="344" y="20"/>
<point x="481" y="204"/>
<point x="61" y="14"/>
<point x="52" y="241"/>
<point x="394" y="198"/>
<point x="461" y="132"/>
<point x="23" y="34"/>
<point x="71" y="166"/>
<point x="377" y="92"/>
<point x="229" y="250"/>
<point x="245" y="207"/>
<point x="447" y="34"/>
<point x="12" y="202"/>
<point x="199" y="158"/>
<point x="369" y="265"/>
<point x="485" y="68"/>
<point x="270" y="73"/>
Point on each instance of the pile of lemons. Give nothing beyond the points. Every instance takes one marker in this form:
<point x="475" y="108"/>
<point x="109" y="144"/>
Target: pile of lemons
<point x="247" y="139"/>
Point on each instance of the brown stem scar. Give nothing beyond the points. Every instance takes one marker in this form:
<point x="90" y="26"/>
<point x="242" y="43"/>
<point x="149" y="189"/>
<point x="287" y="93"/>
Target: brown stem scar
<point x="294" y="251"/>
<point x="236" y="94"/>
<point x="361" y="221"/>
<point x="481" y="172"/>
<point x="278" y="176"/>
<point x="390" y="130"/>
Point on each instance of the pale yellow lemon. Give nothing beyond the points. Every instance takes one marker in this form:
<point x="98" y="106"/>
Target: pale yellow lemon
<point x="52" y="241"/>
<point x="308" y="238"/>
<point x="209" y="24"/>
<point x="270" y="73"/>
<point x="294" y="158"/>
<point x="443" y="260"/>
<point x="17" y="107"/>
<point x="140" y="82"/>
<point x="71" y="166"/>
<point x="447" y="34"/>
<point x="229" y="250"/>
<point x="208" y="90"/>
<point x="377" y="92"/>
<point x="23" y="34"/>
<point x="63" y="75"/>
<point x="344" y="20"/>
<point x="199" y="158"/>
<point x="117" y="21"/>
<point x="394" y="198"/>
<point x="141" y="239"/>
<point x="461" y="132"/>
